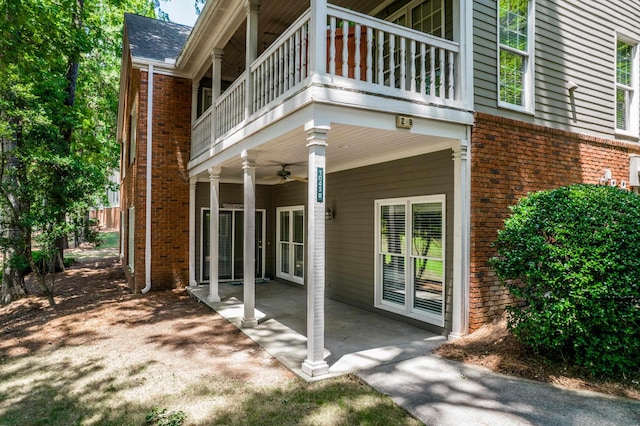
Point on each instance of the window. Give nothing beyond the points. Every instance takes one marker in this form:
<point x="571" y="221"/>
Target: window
<point x="206" y="99"/>
<point x="423" y="15"/>
<point x="131" y="228"/>
<point x="410" y="262"/>
<point x="290" y="244"/>
<point x="626" y="88"/>
<point x="122" y="228"/>
<point x="515" y="58"/>
<point x="133" y="125"/>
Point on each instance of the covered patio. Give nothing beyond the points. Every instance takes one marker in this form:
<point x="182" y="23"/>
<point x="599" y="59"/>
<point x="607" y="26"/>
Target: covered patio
<point x="354" y="339"/>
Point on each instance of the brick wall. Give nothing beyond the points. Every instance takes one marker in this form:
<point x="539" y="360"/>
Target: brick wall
<point x="170" y="182"/>
<point x="510" y="159"/>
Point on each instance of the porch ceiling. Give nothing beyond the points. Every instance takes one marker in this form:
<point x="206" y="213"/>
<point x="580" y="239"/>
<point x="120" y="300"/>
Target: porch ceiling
<point x="348" y="147"/>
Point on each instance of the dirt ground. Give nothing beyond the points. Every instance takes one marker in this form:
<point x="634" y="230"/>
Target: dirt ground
<point x="200" y="337"/>
<point x="90" y="347"/>
<point x="99" y="327"/>
<point x="495" y="348"/>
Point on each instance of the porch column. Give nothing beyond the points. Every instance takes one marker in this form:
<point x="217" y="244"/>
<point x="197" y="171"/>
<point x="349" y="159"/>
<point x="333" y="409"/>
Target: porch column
<point x="315" y="364"/>
<point x="214" y="217"/>
<point x="216" y="80"/>
<point x="461" y="235"/>
<point x="194" y="101"/>
<point x="216" y="74"/>
<point x="249" y="271"/>
<point x="253" y="8"/>
<point x="192" y="232"/>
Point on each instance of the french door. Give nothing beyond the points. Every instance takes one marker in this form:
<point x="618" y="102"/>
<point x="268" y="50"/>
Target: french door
<point x="230" y="244"/>
<point x="290" y="249"/>
<point x="410" y="257"/>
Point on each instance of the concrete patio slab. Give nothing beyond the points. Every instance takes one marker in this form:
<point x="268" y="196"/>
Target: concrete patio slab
<point x="354" y="339"/>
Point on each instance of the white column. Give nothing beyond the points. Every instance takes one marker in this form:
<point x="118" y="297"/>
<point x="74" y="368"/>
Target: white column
<point x="253" y="8"/>
<point x="192" y="232"/>
<point x="461" y="239"/>
<point x="216" y="74"/>
<point x="216" y="80"/>
<point x="194" y="101"/>
<point x="249" y="271"/>
<point x="318" y="37"/>
<point x="214" y="217"/>
<point x="315" y="365"/>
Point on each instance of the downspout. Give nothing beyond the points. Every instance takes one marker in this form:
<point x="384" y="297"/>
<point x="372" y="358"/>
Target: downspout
<point x="147" y="242"/>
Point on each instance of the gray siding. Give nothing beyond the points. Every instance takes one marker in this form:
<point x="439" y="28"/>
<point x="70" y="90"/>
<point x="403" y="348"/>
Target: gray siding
<point x="574" y="40"/>
<point x="350" y="235"/>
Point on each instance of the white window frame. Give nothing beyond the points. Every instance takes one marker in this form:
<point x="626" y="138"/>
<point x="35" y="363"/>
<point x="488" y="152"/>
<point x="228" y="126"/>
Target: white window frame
<point x="131" y="234"/>
<point x="290" y="276"/>
<point x="122" y="228"/>
<point x="408" y="309"/>
<point x="407" y="11"/>
<point x="528" y="89"/>
<point x="633" y="109"/>
<point x="207" y="93"/>
<point x="133" y="131"/>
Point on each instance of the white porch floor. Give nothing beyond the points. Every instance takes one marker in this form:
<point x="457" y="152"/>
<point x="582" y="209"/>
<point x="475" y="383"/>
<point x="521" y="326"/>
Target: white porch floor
<point x="354" y="339"/>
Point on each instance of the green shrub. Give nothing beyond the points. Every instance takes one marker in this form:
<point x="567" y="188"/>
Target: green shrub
<point x="571" y="258"/>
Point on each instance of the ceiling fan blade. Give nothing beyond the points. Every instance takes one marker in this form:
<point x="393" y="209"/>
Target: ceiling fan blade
<point x="299" y="179"/>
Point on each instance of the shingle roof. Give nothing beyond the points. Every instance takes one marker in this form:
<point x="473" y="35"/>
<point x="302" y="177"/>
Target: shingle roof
<point x="153" y="39"/>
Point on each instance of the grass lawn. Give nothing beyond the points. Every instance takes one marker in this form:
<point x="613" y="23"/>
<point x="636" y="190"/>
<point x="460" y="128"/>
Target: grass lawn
<point x="110" y="240"/>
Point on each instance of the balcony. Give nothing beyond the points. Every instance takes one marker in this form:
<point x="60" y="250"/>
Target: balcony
<point x="379" y="60"/>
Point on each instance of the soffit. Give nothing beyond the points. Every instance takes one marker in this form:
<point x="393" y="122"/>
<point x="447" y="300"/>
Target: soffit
<point x="348" y="147"/>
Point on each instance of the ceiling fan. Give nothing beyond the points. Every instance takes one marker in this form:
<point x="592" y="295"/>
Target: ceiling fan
<point x="286" y="176"/>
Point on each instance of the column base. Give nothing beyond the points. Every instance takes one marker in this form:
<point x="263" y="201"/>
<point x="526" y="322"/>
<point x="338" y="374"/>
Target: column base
<point x="454" y="336"/>
<point x="193" y="284"/>
<point x="315" y="369"/>
<point x="249" y="323"/>
<point x="213" y="298"/>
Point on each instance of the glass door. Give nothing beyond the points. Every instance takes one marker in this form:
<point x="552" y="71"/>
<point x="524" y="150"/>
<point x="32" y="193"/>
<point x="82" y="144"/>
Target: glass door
<point x="231" y="245"/>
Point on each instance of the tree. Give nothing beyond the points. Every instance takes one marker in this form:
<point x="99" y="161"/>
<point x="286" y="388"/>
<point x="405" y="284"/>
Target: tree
<point x="58" y="99"/>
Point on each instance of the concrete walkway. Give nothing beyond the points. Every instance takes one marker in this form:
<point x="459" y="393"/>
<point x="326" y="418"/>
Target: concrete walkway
<point x="394" y="358"/>
<point x="442" y="392"/>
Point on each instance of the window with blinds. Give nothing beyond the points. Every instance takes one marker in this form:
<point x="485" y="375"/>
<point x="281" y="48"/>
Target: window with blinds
<point x="410" y="258"/>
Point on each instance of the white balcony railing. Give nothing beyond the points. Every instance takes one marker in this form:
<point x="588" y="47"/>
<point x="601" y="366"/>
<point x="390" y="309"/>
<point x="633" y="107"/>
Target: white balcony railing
<point x="364" y="53"/>
<point x="201" y="133"/>
<point x="230" y="106"/>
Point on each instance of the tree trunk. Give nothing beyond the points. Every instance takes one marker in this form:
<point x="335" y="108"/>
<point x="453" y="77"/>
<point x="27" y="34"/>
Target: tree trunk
<point x="14" y="208"/>
<point x="40" y="275"/>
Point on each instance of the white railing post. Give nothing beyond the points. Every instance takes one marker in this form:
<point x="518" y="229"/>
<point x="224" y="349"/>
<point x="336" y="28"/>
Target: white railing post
<point x="253" y="7"/>
<point x="318" y="37"/>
